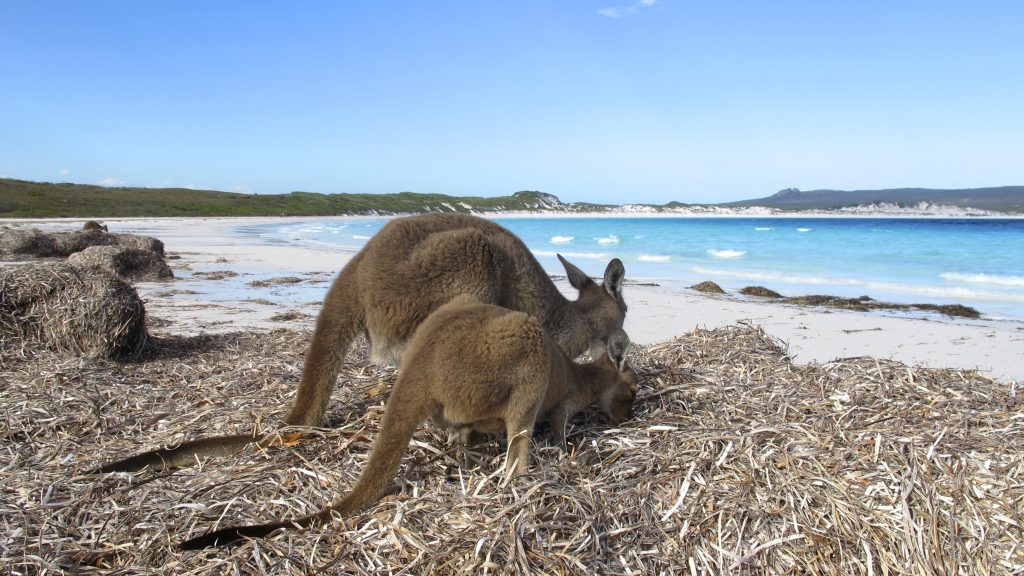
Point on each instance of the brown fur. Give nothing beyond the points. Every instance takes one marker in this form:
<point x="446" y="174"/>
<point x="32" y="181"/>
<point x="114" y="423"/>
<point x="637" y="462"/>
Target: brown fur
<point x="414" y="265"/>
<point x="509" y="375"/>
<point x="406" y="271"/>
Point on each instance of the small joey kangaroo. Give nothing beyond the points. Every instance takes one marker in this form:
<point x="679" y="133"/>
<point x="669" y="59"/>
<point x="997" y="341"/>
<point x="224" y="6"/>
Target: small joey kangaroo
<point x="480" y="368"/>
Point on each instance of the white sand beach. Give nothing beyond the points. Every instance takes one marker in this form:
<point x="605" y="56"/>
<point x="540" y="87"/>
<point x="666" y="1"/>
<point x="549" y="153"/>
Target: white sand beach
<point x="193" y="303"/>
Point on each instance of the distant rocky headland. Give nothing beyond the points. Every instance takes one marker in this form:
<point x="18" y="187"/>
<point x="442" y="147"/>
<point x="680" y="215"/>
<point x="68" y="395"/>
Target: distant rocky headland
<point x="26" y="199"/>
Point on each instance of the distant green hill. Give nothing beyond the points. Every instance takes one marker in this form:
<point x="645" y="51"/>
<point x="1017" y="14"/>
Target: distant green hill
<point x="1001" y="199"/>
<point x="23" y="199"/>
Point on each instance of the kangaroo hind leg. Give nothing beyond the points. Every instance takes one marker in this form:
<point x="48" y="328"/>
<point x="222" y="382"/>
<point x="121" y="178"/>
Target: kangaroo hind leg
<point x="340" y="321"/>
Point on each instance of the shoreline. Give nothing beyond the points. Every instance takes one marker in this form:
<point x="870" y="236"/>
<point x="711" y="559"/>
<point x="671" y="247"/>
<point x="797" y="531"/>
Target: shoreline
<point x="510" y="214"/>
<point x="656" y="313"/>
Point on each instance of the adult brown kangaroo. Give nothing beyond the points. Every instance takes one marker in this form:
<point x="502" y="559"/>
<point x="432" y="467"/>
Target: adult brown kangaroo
<point x="509" y="375"/>
<point x="410" y="268"/>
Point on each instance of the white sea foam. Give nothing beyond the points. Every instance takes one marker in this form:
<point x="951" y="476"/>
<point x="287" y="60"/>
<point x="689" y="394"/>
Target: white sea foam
<point x="804" y="229"/>
<point x="612" y="239"/>
<point x="650" y="258"/>
<point x="997" y="279"/>
<point x="640" y="236"/>
<point x="590" y="255"/>
<point x="562" y="239"/>
<point x="727" y="253"/>
<point x="763" y="229"/>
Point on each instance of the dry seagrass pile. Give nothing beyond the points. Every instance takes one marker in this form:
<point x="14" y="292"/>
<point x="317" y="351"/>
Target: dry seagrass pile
<point x="128" y="263"/>
<point x="68" y="308"/>
<point x="738" y="462"/>
<point x="20" y="243"/>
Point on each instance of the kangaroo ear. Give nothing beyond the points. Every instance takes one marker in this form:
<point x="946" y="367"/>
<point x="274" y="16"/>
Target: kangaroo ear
<point x="613" y="276"/>
<point x="618" y="348"/>
<point x="577" y="277"/>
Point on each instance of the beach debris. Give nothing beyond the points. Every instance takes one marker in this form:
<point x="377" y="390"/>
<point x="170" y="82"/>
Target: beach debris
<point x="67" y="308"/>
<point x="738" y="461"/>
<point x="829" y="302"/>
<point x="262" y="301"/>
<point x="858" y="304"/>
<point x="760" y="292"/>
<point x="275" y="281"/>
<point x="708" y="287"/>
<point x="215" y="274"/>
<point x="128" y="263"/>
<point x="957" y="310"/>
<point x="289" y="316"/>
<point x="866" y="303"/>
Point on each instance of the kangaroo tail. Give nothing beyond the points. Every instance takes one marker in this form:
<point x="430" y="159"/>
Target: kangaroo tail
<point x="339" y="322"/>
<point x="403" y="414"/>
<point x="184" y="454"/>
<point x="226" y="536"/>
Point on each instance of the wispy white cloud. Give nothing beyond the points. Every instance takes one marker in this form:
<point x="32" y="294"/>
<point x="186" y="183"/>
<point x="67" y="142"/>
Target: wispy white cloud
<point x="111" y="182"/>
<point x="64" y="171"/>
<point x="620" y="11"/>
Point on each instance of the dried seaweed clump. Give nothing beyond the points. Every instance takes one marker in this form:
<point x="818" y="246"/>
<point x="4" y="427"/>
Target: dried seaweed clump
<point x="958" y="310"/>
<point x="760" y="292"/>
<point x="866" y="303"/>
<point x="70" y="309"/>
<point x="708" y="287"/>
<point x="16" y="242"/>
<point x="70" y="242"/>
<point x="859" y="304"/>
<point x="275" y="281"/>
<point x="33" y="242"/>
<point x="128" y="263"/>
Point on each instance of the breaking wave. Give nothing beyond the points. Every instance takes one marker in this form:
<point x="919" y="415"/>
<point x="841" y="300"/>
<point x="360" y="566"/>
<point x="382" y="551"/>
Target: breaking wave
<point x="997" y="279"/>
<point x="727" y="253"/>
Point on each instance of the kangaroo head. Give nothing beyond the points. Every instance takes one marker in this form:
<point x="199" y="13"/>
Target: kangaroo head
<point x="620" y="390"/>
<point x="601" y="305"/>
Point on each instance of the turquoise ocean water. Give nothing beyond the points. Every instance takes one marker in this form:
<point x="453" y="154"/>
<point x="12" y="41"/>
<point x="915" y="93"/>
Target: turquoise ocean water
<point x="977" y="262"/>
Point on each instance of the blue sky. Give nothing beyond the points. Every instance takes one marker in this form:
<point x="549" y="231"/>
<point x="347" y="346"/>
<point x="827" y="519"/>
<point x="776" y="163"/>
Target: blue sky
<point x="591" y="100"/>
